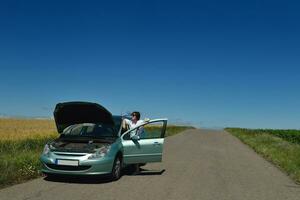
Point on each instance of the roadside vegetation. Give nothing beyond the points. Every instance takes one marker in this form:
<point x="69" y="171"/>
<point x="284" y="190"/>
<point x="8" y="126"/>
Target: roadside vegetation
<point x="175" y="129"/>
<point x="21" y="143"/>
<point x="281" y="147"/>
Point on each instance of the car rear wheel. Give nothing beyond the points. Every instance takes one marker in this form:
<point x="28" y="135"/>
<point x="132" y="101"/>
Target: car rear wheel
<point x="116" y="170"/>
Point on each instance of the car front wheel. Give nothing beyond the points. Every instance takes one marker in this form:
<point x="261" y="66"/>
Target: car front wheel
<point x="116" y="170"/>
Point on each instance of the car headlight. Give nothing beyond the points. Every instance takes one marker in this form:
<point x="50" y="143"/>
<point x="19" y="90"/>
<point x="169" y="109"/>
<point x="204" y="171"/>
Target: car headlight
<point x="46" y="150"/>
<point x="101" y="152"/>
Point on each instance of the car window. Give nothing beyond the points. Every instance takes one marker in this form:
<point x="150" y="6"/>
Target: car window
<point x="103" y="130"/>
<point x="148" y="131"/>
<point x="117" y="121"/>
<point x="90" y="130"/>
<point x="73" y="130"/>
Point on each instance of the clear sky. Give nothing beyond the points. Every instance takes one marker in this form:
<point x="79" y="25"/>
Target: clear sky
<point x="207" y="63"/>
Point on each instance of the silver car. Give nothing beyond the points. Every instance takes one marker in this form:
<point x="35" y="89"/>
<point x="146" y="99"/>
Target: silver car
<point x="92" y="141"/>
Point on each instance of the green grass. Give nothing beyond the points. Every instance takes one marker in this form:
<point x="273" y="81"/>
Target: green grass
<point x="280" y="147"/>
<point x="173" y="129"/>
<point x="19" y="158"/>
<point x="155" y="131"/>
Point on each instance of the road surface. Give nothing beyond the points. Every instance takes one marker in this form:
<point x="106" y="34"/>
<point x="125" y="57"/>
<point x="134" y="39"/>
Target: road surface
<point x="197" y="164"/>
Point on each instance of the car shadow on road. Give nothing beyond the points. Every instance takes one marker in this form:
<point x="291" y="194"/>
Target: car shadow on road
<point x="143" y="172"/>
<point x="97" y="179"/>
<point x="78" y="179"/>
<point x="150" y="173"/>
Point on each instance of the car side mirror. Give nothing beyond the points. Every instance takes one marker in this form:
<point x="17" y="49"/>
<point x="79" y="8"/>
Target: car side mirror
<point x="135" y="137"/>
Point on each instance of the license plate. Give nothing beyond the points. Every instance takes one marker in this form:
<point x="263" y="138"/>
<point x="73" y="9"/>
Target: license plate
<point x="67" y="162"/>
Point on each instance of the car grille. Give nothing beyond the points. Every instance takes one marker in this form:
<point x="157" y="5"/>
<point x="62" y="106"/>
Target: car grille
<point x="69" y="154"/>
<point x="68" y="168"/>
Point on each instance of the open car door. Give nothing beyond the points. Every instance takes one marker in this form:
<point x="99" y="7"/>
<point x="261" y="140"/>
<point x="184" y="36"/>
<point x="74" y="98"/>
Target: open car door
<point x="144" y="143"/>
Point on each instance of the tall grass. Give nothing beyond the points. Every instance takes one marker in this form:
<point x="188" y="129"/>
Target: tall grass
<point x="288" y="134"/>
<point x="22" y="142"/>
<point x="280" y="147"/>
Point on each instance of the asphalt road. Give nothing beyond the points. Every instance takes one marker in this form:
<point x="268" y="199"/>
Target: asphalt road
<point x="197" y="164"/>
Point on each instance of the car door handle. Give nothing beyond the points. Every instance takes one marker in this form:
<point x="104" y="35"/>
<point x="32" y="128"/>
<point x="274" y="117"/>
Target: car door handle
<point x="156" y="143"/>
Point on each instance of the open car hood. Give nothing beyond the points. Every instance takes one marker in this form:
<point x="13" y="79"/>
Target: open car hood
<point x="69" y="113"/>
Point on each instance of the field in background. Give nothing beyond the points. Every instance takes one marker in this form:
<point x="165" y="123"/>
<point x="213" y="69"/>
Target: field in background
<point x="281" y="147"/>
<point x="21" y="143"/>
<point x="19" y="129"/>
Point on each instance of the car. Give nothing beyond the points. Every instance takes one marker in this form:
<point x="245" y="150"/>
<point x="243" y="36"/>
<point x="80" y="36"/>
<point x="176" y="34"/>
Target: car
<point x="92" y="141"/>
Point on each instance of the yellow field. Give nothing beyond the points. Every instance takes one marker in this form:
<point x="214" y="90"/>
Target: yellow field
<point x="18" y="129"/>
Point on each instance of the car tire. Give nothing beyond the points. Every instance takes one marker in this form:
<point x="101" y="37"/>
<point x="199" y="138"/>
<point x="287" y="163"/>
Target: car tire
<point x="117" y="169"/>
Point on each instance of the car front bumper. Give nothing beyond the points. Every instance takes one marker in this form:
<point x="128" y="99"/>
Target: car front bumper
<point x="99" y="166"/>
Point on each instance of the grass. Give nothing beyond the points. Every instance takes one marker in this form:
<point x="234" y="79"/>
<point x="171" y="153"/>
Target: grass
<point x="23" y="140"/>
<point x="281" y="147"/>
<point x="154" y="131"/>
<point x="174" y="129"/>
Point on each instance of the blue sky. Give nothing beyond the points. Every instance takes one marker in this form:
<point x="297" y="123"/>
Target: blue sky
<point x="206" y="63"/>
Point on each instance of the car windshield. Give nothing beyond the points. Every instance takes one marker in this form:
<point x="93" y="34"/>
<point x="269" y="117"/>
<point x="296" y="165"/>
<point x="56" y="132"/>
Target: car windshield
<point x="90" y="130"/>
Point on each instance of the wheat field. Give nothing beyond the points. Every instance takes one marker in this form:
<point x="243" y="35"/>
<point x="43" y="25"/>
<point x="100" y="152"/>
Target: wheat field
<point x="19" y="129"/>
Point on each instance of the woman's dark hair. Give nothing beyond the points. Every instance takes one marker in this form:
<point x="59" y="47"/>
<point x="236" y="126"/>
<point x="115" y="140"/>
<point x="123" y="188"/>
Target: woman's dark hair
<point x="137" y="114"/>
